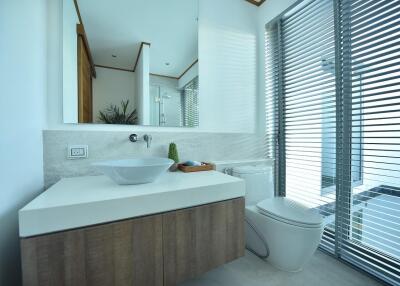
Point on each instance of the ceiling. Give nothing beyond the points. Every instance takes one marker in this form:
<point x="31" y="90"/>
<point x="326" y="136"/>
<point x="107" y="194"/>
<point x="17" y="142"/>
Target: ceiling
<point x="118" y="27"/>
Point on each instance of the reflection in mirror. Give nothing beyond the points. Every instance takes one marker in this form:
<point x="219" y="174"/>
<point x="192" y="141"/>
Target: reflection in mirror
<point x="131" y="62"/>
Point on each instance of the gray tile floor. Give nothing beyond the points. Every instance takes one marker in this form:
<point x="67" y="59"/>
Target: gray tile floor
<point x="249" y="270"/>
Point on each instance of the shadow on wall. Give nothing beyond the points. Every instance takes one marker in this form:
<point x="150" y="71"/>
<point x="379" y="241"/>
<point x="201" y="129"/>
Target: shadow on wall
<point x="10" y="262"/>
<point x="9" y="249"/>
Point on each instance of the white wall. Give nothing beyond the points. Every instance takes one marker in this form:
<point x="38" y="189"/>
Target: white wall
<point x="111" y="87"/>
<point x="164" y="81"/>
<point x="142" y="74"/>
<point x="70" y="62"/>
<point x="22" y="117"/>
<point x="227" y="68"/>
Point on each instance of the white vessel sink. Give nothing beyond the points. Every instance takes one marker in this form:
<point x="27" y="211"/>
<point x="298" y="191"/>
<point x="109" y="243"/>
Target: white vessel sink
<point x="134" y="171"/>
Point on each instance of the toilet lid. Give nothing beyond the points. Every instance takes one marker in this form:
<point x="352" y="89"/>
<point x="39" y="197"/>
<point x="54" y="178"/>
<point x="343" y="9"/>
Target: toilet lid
<point x="290" y="211"/>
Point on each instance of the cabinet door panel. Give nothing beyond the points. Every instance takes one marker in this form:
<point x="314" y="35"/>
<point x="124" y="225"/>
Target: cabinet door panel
<point x="199" y="239"/>
<point x="115" y="254"/>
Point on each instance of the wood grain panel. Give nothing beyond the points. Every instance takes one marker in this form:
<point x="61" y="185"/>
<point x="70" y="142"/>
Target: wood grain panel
<point x="162" y="249"/>
<point x="80" y="30"/>
<point x="199" y="239"/>
<point x="116" y="254"/>
<point x="85" y="97"/>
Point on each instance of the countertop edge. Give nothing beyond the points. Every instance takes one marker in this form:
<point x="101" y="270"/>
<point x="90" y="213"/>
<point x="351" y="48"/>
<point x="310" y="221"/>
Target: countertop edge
<point x="63" y="218"/>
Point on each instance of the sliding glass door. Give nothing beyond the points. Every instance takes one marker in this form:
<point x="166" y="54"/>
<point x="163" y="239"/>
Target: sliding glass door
<point x="333" y="123"/>
<point x="369" y="57"/>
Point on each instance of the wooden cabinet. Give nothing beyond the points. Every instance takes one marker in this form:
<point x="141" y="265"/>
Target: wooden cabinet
<point x="162" y="249"/>
<point x="121" y="253"/>
<point x="199" y="239"/>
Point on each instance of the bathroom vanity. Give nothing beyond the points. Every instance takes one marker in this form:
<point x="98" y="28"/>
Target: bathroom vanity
<point x="90" y="231"/>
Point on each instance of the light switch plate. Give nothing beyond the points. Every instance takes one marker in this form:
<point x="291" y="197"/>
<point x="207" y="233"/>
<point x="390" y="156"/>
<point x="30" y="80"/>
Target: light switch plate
<point x="78" y="151"/>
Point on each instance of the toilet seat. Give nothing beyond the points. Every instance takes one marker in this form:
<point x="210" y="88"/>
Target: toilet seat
<point x="279" y="230"/>
<point x="289" y="211"/>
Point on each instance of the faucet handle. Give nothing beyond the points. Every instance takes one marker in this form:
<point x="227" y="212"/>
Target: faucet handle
<point x="133" y="138"/>
<point x="148" y="139"/>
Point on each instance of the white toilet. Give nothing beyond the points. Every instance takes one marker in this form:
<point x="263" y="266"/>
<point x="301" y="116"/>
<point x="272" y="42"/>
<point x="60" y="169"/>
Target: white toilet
<point x="278" y="229"/>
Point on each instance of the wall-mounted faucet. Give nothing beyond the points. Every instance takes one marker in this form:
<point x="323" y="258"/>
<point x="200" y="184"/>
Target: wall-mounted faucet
<point x="147" y="138"/>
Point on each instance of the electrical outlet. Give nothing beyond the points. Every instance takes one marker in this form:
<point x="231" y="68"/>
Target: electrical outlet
<point x="78" y="151"/>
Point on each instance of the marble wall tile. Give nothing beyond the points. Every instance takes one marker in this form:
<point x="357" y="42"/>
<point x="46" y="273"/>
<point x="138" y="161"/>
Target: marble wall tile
<point x="115" y="145"/>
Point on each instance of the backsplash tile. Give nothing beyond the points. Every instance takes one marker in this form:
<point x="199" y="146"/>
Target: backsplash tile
<point x="116" y="145"/>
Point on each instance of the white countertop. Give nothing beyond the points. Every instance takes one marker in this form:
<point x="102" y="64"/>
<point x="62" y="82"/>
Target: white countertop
<point x="83" y="201"/>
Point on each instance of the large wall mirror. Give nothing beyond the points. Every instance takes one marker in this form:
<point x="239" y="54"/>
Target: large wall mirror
<point x="131" y="62"/>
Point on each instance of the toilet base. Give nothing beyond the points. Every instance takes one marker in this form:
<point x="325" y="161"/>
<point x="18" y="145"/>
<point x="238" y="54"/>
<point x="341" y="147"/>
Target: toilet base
<point x="289" y="246"/>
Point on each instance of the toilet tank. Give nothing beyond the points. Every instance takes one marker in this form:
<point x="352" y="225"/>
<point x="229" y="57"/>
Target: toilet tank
<point x="259" y="184"/>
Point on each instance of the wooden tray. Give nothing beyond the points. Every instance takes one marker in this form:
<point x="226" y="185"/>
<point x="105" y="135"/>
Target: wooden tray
<point x="188" y="169"/>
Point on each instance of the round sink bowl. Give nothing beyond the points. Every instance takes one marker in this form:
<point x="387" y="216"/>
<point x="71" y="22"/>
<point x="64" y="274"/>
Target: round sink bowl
<point x="134" y="171"/>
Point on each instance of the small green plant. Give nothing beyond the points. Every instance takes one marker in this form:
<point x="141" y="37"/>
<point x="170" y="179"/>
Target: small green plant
<point x="173" y="153"/>
<point x="113" y="114"/>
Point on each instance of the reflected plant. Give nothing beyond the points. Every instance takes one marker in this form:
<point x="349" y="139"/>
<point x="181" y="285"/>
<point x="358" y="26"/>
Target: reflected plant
<point x="114" y="115"/>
